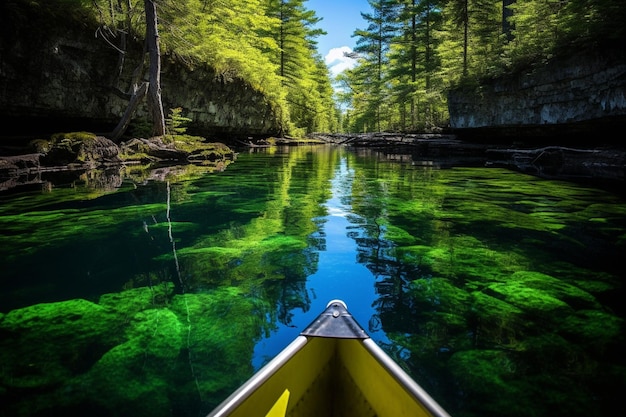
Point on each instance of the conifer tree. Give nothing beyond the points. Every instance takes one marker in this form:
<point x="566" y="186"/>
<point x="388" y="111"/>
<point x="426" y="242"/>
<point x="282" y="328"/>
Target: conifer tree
<point x="471" y="40"/>
<point x="459" y="18"/>
<point x="372" y="47"/>
<point x="414" y="60"/>
<point x="299" y="64"/>
<point x="536" y="28"/>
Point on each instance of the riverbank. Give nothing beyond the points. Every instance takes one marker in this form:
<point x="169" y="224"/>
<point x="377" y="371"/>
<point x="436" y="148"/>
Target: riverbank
<point x="604" y="165"/>
<point x="70" y="155"/>
<point x="599" y="166"/>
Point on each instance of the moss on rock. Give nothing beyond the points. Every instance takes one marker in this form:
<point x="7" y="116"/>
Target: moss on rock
<point x="45" y="344"/>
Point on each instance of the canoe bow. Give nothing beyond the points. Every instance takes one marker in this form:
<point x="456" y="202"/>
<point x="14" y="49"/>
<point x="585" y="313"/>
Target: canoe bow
<point x="332" y="368"/>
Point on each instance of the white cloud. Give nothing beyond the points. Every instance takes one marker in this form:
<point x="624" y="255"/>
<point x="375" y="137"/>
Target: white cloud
<point x="337" y="62"/>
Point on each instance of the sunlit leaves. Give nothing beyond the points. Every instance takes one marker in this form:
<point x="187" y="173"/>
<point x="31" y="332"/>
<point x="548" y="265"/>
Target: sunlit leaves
<point x="304" y="75"/>
<point x="408" y="60"/>
<point x="273" y="52"/>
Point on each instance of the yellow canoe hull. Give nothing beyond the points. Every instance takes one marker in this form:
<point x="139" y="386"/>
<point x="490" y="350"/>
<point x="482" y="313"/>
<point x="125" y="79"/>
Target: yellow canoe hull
<point x="328" y="376"/>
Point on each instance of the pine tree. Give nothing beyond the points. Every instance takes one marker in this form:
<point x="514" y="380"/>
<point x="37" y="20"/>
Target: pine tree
<point x="414" y="60"/>
<point x="373" y="45"/>
<point x="232" y="37"/>
<point x="308" y="93"/>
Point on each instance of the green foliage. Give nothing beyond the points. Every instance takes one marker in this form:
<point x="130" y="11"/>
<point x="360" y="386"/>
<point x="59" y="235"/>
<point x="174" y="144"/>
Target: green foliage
<point x="243" y="40"/>
<point x="415" y="50"/>
<point x="269" y="45"/>
<point x="303" y="74"/>
<point x="175" y="123"/>
<point x="409" y="55"/>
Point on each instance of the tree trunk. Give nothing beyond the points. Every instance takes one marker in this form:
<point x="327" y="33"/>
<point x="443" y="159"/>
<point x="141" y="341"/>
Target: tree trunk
<point x="137" y="95"/>
<point x="138" y="89"/>
<point x="507" y="12"/>
<point x="155" y="104"/>
<point x="465" y="35"/>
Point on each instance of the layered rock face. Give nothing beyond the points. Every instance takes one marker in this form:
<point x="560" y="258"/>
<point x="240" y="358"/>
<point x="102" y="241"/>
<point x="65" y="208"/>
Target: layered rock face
<point x="578" y="95"/>
<point x="67" y="80"/>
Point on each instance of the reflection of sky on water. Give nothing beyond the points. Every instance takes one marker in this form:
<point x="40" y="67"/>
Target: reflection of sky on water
<point x="339" y="275"/>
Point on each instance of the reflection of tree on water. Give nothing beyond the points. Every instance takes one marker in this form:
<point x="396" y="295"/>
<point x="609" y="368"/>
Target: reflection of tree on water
<point x="395" y="307"/>
<point x="520" y="313"/>
<point x="480" y="291"/>
<point x="240" y="268"/>
<point x="258" y="232"/>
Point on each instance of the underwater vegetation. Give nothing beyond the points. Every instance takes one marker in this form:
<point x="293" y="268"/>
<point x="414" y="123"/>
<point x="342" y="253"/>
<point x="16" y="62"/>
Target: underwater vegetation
<point x="500" y="293"/>
<point x="141" y="352"/>
<point x="501" y="283"/>
<point x="150" y="298"/>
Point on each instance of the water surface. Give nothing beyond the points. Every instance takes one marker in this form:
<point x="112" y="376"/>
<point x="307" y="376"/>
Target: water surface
<point x="500" y="293"/>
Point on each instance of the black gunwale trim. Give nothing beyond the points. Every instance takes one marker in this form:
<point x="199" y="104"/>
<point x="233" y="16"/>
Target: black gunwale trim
<point x="335" y="322"/>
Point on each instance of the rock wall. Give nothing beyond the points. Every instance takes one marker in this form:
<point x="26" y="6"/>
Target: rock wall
<point x="62" y="80"/>
<point x="580" y="94"/>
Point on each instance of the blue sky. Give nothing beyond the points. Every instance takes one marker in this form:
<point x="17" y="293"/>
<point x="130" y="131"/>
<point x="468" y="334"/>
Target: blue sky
<point x="340" y="18"/>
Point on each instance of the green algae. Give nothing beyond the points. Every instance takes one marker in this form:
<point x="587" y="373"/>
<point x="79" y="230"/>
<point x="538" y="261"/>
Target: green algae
<point x="132" y="376"/>
<point x="400" y="236"/>
<point x="539" y="294"/>
<point x="222" y="328"/>
<point x="595" y="328"/>
<point x="512" y="317"/>
<point x="132" y="301"/>
<point x="463" y="256"/>
<point x="497" y="323"/>
<point x="125" y="353"/>
<point x="487" y="377"/>
<point x="498" y="281"/>
<point x="486" y="371"/>
<point x="272" y="243"/>
<point x="45" y="344"/>
<point x="439" y="293"/>
<point x="532" y="300"/>
<point x="38" y="230"/>
<point x="559" y="288"/>
<point x="179" y="336"/>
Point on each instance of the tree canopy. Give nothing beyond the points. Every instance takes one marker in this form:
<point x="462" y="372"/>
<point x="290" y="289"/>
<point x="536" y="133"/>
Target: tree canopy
<point x="268" y="43"/>
<point x="413" y="51"/>
<point x="409" y="55"/>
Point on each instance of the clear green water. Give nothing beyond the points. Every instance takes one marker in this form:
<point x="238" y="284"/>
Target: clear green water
<point x="500" y="293"/>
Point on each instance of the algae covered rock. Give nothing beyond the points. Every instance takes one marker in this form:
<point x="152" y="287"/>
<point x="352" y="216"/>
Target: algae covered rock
<point x="44" y="344"/>
<point x="81" y="148"/>
<point x="132" y="377"/>
<point x="220" y="346"/>
<point x="146" y="351"/>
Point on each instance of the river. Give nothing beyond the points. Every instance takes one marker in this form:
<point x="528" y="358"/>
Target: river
<point x="499" y="292"/>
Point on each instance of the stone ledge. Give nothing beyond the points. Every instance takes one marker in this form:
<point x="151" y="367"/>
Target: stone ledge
<point x="571" y="95"/>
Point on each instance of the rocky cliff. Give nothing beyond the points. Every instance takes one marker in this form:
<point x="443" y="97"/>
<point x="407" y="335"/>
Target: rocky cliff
<point x="575" y="97"/>
<point x="61" y="77"/>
